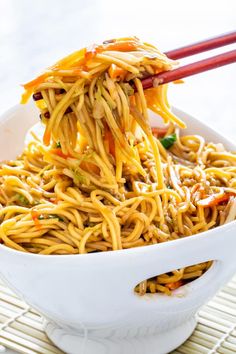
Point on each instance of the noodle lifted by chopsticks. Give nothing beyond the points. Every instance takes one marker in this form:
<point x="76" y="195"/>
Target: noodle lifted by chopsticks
<point x="102" y="179"/>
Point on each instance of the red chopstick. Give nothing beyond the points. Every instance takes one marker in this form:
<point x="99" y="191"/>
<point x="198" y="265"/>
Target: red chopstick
<point x="199" y="66"/>
<point x="190" y="69"/>
<point x="203" y="46"/>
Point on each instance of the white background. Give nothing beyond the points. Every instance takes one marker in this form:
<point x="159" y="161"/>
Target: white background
<point x="33" y="34"/>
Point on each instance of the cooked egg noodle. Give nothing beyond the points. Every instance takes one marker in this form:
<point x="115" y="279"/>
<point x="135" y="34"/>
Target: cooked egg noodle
<point x="100" y="180"/>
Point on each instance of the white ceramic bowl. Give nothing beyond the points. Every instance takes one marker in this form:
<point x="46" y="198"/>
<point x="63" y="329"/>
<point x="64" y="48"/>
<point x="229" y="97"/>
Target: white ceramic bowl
<point x="89" y="300"/>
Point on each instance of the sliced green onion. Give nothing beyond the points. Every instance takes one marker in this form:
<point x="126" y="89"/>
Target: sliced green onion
<point x="168" y="141"/>
<point x="22" y="199"/>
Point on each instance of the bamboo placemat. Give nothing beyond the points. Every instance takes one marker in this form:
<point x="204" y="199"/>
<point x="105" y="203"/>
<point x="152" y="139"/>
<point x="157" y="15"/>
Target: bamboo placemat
<point x="21" y="327"/>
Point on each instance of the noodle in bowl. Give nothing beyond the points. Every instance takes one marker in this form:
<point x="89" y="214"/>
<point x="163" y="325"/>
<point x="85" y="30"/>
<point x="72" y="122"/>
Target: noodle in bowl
<point x="114" y="318"/>
<point x="110" y="175"/>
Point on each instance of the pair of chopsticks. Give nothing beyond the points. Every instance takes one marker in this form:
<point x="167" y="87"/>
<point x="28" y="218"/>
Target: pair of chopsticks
<point x="199" y="66"/>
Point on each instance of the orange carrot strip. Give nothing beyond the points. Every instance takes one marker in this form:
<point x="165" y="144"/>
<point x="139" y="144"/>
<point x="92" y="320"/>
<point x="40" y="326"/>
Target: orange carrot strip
<point x="54" y="200"/>
<point x="132" y="100"/>
<point x="119" y="45"/>
<point x="175" y="285"/>
<point x="213" y="200"/>
<point x="159" y="132"/>
<point x="59" y="152"/>
<point x="46" y="137"/>
<point x="122" y="46"/>
<point x="38" y="80"/>
<point x="35" y="216"/>
<point x="151" y="95"/>
<point x="115" y="71"/>
<point x="90" y="54"/>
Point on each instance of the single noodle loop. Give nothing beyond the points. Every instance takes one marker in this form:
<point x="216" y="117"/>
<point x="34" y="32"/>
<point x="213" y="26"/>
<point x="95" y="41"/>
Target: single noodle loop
<point x="103" y="179"/>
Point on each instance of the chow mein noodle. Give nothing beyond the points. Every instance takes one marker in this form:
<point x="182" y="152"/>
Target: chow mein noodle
<point x="101" y="178"/>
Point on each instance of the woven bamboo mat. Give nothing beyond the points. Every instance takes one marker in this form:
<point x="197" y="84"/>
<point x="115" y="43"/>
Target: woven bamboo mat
<point x="21" y="327"/>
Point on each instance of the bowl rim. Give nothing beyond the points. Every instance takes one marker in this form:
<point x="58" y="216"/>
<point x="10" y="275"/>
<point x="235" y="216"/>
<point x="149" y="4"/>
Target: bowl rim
<point x="126" y="251"/>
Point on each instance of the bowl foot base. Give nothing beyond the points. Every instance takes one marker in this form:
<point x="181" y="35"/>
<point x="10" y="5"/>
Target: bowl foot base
<point x="160" y="343"/>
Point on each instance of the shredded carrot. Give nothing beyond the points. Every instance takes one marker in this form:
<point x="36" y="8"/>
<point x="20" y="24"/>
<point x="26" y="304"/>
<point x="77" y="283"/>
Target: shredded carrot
<point x="213" y="200"/>
<point x="115" y="71"/>
<point x="150" y="96"/>
<point x="121" y="46"/>
<point x="90" y="54"/>
<point x="159" y="132"/>
<point x="59" y="152"/>
<point x="38" y="80"/>
<point x="175" y="285"/>
<point x="54" y="200"/>
<point x="35" y="216"/>
<point x="157" y="70"/>
<point x="132" y="100"/>
<point x="46" y="137"/>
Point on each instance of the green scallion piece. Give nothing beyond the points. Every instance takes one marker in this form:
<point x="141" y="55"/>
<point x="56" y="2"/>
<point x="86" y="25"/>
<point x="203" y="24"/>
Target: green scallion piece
<point x="168" y="141"/>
